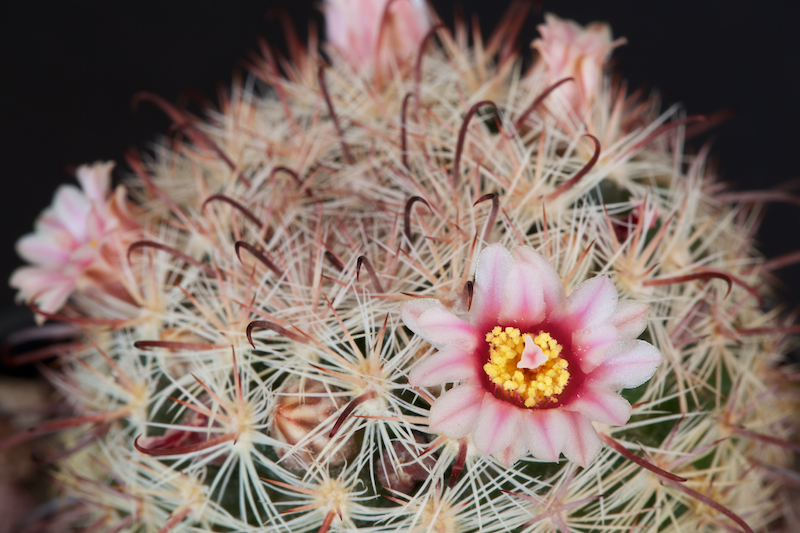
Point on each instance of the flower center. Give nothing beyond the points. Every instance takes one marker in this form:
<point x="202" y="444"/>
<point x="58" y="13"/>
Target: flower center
<point x="525" y="365"/>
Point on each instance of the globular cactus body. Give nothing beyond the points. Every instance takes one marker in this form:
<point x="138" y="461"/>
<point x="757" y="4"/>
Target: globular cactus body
<point x="389" y="298"/>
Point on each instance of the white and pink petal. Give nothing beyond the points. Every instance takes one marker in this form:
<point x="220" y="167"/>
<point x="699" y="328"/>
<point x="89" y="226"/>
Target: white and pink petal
<point x="552" y="288"/>
<point x="449" y="364"/>
<point x="630" y="318"/>
<point x="71" y="207"/>
<point x="599" y="404"/>
<point x="430" y="320"/>
<point x="497" y="426"/>
<point x="592" y="302"/>
<point x="523" y="302"/>
<point x="582" y="443"/>
<point x="95" y="180"/>
<point x="591" y="344"/>
<point x="49" y="288"/>
<point x="494" y="265"/>
<point x="513" y="453"/>
<point x="628" y="364"/>
<point x="48" y="249"/>
<point x="545" y="432"/>
<point x="455" y="412"/>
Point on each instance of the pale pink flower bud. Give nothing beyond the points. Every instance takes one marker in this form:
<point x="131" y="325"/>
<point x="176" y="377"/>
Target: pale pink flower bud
<point x="376" y="35"/>
<point x="570" y="50"/>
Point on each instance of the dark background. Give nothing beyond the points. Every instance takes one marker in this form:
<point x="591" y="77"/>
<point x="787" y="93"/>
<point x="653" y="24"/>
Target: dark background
<point x="68" y="71"/>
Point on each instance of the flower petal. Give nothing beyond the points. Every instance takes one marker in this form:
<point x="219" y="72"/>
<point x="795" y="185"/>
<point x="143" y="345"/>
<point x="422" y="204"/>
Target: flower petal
<point x="628" y="364"/>
<point x="497" y="425"/>
<point x="449" y="364"/>
<point x="49" y="288"/>
<point x="630" y="318"/>
<point x="70" y="207"/>
<point x="601" y="405"/>
<point x="95" y="180"/>
<point x="455" y="412"/>
<point x="592" y="302"/>
<point x="494" y="264"/>
<point x="582" y="444"/>
<point x="49" y="249"/>
<point x="590" y="345"/>
<point x="522" y="298"/>
<point x="552" y="288"/>
<point x="35" y="281"/>
<point x="513" y="453"/>
<point x="545" y="432"/>
<point x="430" y="320"/>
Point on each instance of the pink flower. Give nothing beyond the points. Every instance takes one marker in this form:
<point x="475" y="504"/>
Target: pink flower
<point x="534" y="367"/>
<point x="67" y="249"/>
<point x="376" y="35"/>
<point x="570" y="50"/>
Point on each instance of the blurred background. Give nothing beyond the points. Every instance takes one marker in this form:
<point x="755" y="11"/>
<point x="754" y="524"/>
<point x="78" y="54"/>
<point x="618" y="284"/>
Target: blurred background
<point x="68" y="72"/>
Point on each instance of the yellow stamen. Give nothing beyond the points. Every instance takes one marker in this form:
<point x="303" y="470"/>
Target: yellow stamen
<point x="533" y="385"/>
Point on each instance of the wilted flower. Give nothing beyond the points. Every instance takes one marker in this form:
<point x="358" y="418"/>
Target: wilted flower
<point x="536" y="368"/>
<point x="376" y="35"/>
<point x="68" y="248"/>
<point x="569" y="50"/>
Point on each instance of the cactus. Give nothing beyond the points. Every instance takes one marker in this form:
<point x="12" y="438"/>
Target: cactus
<point x="270" y="312"/>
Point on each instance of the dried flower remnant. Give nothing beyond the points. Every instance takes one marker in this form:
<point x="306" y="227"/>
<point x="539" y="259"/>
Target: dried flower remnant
<point x="536" y="368"/>
<point x="73" y="247"/>
<point x="401" y="469"/>
<point x="376" y="35"/>
<point x="299" y="419"/>
<point x="569" y="50"/>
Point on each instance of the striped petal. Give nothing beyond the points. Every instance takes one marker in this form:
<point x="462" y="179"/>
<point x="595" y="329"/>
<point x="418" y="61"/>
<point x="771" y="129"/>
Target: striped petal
<point x="513" y="453"/>
<point x="628" y="364"/>
<point x="630" y="318"/>
<point x="601" y="405"/>
<point x="497" y="425"/>
<point x="494" y="265"/>
<point x="552" y="288"/>
<point x="47" y="249"/>
<point x="456" y="411"/>
<point x="592" y="302"/>
<point x="449" y="364"/>
<point x="544" y="432"/>
<point x="591" y="344"/>
<point x="430" y="320"/>
<point x="582" y="443"/>
<point x="523" y="303"/>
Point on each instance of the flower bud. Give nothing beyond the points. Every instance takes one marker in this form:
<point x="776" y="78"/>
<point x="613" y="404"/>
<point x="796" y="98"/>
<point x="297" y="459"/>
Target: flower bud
<point x="376" y="35"/>
<point x="569" y="50"/>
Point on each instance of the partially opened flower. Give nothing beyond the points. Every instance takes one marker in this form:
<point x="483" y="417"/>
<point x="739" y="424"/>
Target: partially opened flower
<point x="67" y="250"/>
<point x="534" y="367"/>
<point x="569" y="50"/>
<point x="376" y="35"/>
